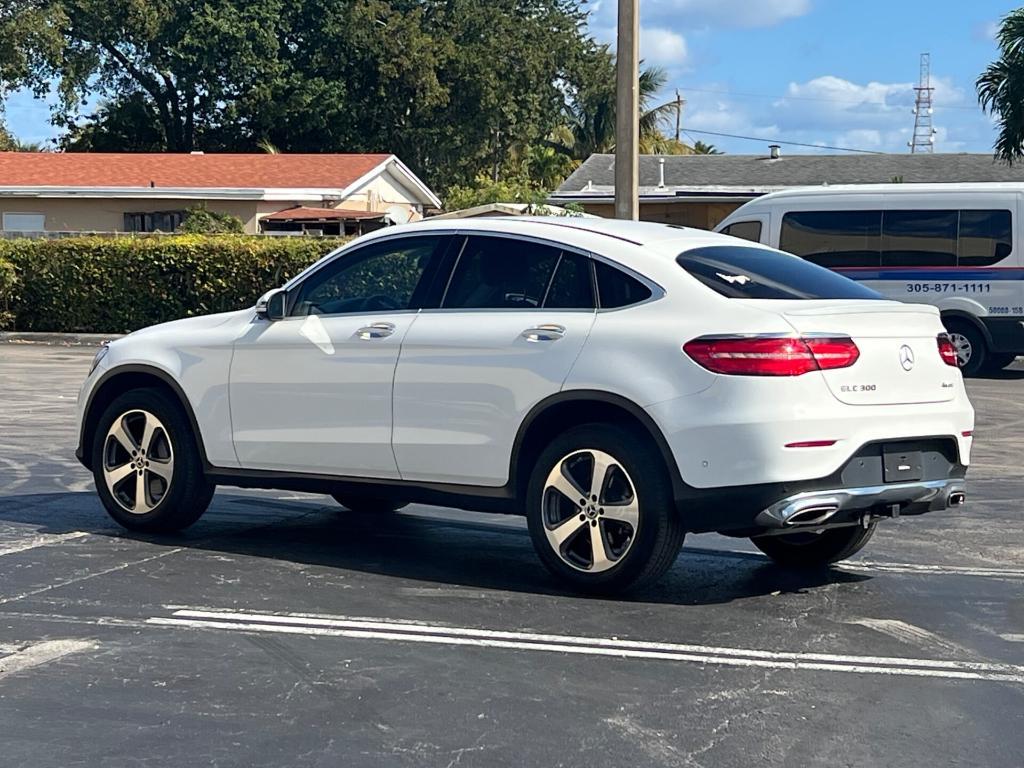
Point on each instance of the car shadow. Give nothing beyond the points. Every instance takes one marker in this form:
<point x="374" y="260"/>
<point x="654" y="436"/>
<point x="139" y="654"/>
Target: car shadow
<point x="432" y="549"/>
<point x="1004" y="374"/>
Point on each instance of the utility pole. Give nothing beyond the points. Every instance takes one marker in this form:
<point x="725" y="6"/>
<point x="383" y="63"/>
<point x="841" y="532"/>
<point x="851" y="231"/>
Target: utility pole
<point x="497" y="154"/>
<point x="679" y="112"/>
<point x="627" y="112"/>
<point x="924" y="132"/>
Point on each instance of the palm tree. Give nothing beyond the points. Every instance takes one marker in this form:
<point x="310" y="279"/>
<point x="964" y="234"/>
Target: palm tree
<point x="1001" y="87"/>
<point x="590" y="113"/>
<point x="700" y="148"/>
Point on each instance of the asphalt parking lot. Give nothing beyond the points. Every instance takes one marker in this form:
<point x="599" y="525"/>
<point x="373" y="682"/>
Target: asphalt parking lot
<point x="282" y="630"/>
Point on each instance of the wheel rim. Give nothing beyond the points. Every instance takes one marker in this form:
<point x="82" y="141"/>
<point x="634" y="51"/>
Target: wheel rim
<point x="590" y="510"/>
<point x="964" y="349"/>
<point x="138" y="461"/>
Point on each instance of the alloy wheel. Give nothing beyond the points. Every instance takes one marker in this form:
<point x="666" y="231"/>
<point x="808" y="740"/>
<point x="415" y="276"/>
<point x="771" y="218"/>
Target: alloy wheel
<point x="590" y="510"/>
<point x="138" y="461"/>
<point x="964" y="349"/>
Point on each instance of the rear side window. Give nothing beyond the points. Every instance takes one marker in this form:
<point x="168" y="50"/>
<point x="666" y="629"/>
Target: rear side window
<point x="745" y="230"/>
<point x="834" y="238"/>
<point x="617" y="289"/>
<point x="738" y="272"/>
<point x="501" y="273"/>
<point x="919" y="238"/>
<point x="572" y="287"/>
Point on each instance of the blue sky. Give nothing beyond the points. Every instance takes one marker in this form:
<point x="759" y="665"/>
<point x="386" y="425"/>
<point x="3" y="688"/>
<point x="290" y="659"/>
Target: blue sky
<point x="836" y="72"/>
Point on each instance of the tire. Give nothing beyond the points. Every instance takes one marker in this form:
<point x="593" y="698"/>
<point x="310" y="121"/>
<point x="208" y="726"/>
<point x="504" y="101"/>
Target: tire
<point x="971" y="349"/>
<point x="367" y="503"/>
<point x="814" y="550"/>
<point x="639" y="542"/>
<point x="999" y="361"/>
<point x="168" y="472"/>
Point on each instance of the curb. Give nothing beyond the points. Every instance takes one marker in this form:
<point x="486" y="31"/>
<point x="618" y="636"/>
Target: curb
<point x="57" y="339"/>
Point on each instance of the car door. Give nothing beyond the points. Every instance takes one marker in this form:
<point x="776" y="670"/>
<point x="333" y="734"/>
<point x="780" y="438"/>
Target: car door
<point x="513" y="318"/>
<point x="312" y="392"/>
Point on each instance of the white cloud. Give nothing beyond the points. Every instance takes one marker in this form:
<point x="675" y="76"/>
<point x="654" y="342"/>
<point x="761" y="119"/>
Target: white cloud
<point x="733" y="13"/>
<point x="662" y="47"/>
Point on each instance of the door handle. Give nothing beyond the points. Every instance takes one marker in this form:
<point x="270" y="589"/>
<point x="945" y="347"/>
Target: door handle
<point x="546" y="332"/>
<point x="376" y="331"/>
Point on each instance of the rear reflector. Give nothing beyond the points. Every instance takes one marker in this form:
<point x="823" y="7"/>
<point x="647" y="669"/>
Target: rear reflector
<point x="812" y="444"/>
<point x="771" y="356"/>
<point x="946" y="350"/>
<point x="967" y="432"/>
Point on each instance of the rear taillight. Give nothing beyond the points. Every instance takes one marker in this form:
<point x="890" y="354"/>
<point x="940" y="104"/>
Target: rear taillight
<point x="946" y="350"/>
<point x="768" y="356"/>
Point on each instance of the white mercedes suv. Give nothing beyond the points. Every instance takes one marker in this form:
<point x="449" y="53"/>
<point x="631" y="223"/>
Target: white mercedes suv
<point x="620" y="384"/>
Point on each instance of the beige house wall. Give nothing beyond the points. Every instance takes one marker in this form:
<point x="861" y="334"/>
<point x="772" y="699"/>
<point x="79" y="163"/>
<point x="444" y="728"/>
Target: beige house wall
<point x="686" y="214"/>
<point x="107" y="214"/>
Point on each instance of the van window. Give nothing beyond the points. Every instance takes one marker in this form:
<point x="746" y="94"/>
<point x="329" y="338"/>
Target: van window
<point x="898" y="238"/>
<point x="985" y="238"/>
<point x="919" y="238"/>
<point x="834" y="238"/>
<point x="745" y="230"/>
<point x="740" y="272"/>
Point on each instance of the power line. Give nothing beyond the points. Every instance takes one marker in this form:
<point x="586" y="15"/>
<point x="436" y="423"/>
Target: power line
<point x="808" y="98"/>
<point x="780" y="141"/>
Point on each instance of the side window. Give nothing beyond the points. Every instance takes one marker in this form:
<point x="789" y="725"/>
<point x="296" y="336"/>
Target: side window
<point x="745" y="230"/>
<point x="572" y="287"/>
<point x="617" y="289"/>
<point x="378" y="278"/>
<point x="834" y="238"/>
<point x="919" y="238"/>
<point x="985" y="238"/>
<point x="501" y="273"/>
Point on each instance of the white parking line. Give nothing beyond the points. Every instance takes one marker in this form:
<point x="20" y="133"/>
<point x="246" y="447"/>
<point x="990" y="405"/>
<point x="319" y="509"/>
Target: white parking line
<point x="42" y="540"/>
<point x="1013" y="638"/>
<point x="928" y="570"/>
<point x="409" y="632"/>
<point x="41" y="653"/>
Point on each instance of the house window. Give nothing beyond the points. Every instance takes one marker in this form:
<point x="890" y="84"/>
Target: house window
<point x="24" y="222"/>
<point x="154" y="221"/>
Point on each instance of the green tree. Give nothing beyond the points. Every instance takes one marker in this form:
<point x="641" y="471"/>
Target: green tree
<point x="7" y="141"/>
<point x="1001" y="88"/>
<point x="700" y="148"/>
<point x="202" y="221"/>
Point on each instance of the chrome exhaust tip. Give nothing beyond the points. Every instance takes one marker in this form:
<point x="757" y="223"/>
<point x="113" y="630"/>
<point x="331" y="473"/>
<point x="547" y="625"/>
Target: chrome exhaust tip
<point x="956" y="499"/>
<point x="809" y="516"/>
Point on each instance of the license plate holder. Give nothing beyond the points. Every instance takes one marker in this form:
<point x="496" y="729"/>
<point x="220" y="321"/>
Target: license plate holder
<point x="901" y="464"/>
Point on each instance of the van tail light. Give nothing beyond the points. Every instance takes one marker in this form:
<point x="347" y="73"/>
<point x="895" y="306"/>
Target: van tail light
<point x="772" y="356"/>
<point x="947" y="351"/>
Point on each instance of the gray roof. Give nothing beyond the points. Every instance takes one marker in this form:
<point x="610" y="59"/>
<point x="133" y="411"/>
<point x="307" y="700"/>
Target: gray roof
<point x="751" y="175"/>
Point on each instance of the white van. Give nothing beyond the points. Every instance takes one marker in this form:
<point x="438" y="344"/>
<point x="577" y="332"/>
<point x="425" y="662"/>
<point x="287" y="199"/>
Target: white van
<point x="956" y="246"/>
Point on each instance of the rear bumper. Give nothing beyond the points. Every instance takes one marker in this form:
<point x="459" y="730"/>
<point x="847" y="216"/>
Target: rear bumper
<point x="844" y="497"/>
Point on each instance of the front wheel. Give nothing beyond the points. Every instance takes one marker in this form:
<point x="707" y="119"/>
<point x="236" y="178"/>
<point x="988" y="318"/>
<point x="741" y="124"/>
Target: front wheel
<point x="600" y="510"/>
<point x="999" y="361"/>
<point x="971" y="351"/>
<point x="814" y="550"/>
<point x="146" y="463"/>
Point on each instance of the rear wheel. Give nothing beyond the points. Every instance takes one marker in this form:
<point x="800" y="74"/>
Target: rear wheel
<point x="146" y="463"/>
<point x="367" y="503"/>
<point x="811" y="550"/>
<point x="971" y="351"/>
<point x="600" y="510"/>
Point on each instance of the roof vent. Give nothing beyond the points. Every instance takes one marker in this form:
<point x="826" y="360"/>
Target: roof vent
<point x="661" y="173"/>
<point x="196" y="152"/>
<point x="774" y="151"/>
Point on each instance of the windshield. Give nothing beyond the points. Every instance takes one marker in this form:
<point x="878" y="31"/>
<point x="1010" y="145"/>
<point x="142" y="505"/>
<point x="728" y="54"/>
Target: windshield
<point x="740" y="272"/>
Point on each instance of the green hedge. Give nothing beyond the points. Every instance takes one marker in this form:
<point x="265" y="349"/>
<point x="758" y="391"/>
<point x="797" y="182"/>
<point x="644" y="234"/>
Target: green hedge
<point x="114" y="285"/>
<point x="7" y="283"/>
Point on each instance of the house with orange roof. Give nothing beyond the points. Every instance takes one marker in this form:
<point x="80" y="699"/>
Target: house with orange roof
<point x="57" y="192"/>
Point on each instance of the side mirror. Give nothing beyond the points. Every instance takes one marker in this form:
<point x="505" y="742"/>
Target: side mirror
<point x="272" y="305"/>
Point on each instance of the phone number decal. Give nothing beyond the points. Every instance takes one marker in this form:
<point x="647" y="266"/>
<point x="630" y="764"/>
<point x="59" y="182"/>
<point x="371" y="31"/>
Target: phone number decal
<point x="949" y="288"/>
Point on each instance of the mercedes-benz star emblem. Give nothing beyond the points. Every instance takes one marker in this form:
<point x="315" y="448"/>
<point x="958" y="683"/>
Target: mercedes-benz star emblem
<point x="906" y="357"/>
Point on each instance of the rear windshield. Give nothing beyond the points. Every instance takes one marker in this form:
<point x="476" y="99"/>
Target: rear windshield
<point x="738" y="272"/>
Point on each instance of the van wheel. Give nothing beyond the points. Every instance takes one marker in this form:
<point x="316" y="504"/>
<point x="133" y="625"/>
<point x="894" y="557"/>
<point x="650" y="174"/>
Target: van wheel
<point x="146" y="463"/>
<point x="600" y="510"/>
<point x="971" y="351"/>
<point x="814" y="550"/>
<point x="367" y="503"/>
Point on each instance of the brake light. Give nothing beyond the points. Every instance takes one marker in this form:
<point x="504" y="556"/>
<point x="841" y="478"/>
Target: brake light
<point x="770" y="356"/>
<point x="947" y="351"/>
